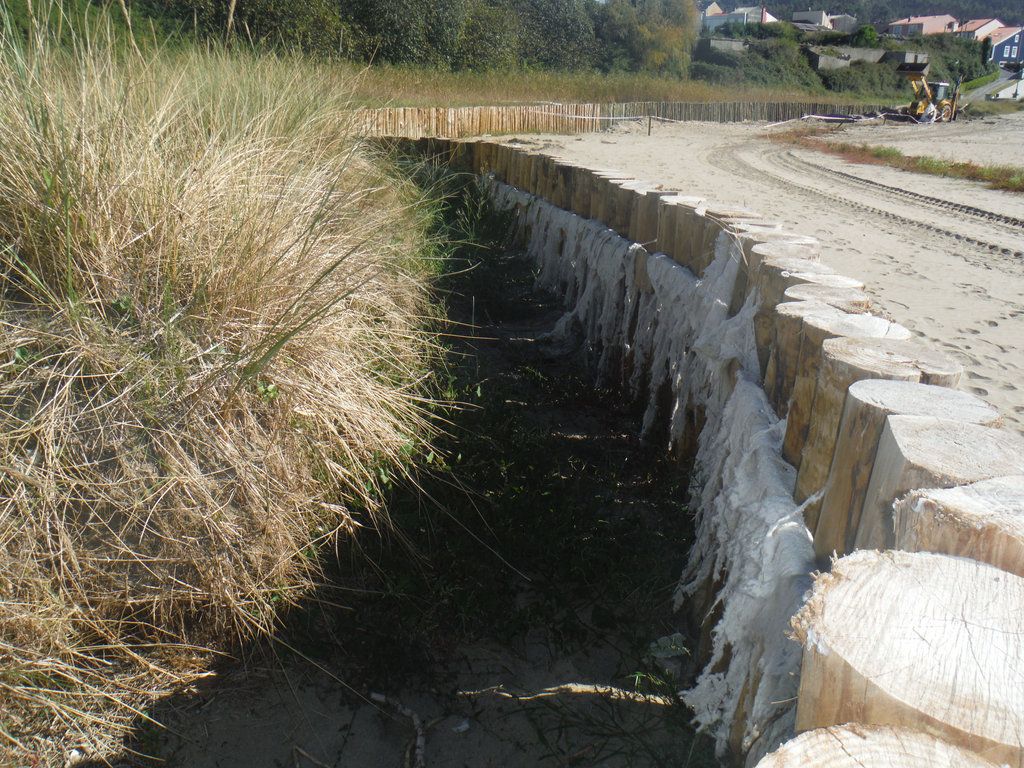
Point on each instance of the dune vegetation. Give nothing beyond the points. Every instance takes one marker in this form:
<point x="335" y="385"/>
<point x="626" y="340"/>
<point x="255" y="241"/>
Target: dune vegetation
<point x="392" y="85"/>
<point x="212" y="353"/>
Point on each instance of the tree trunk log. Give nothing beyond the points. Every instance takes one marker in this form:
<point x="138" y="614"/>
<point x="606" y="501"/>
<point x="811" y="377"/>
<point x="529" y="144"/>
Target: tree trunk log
<point x="845" y="361"/>
<point x="815" y="330"/>
<point x="784" y="347"/>
<point x="582" y="185"/>
<point x="917" y="640"/>
<point x="672" y="212"/>
<point x="866" y="407"/>
<point x="925" y="452"/>
<point x="861" y="746"/>
<point x="644" y="225"/>
<point x="716" y="219"/>
<point x="623" y="197"/>
<point x="602" y="202"/>
<point x="983" y="521"/>
<point x="837" y="291"/>
<point x="762" y="244"/>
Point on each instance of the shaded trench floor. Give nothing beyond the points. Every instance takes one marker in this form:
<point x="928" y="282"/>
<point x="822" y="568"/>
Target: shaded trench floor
<point x="544" y="550"/>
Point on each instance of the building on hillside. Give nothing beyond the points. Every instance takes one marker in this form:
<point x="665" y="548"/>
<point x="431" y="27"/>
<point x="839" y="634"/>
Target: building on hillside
<point x="758" y="14"/>
<point x="817" y="18"/>
<point x="915" y="26"/>
<point x="905" y="57"/>
<point x="823" y="20"/>
<point x="754" y="14"/>
<point x="826" y="58"/>
<point x="721" y="44"/>
<point x="713" y="10"/>
<point x="1007" y="47"/>
<point x="840" y="56"/>
<point x="844" y="22"/>
<point x="979" y="29"/>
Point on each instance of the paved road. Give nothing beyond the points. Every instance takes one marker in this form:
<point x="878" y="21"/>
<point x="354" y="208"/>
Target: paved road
<point x="978" y="94"/>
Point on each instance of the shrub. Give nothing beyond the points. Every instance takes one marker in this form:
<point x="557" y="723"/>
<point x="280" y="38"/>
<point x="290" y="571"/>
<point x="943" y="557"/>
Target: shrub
<point x="424" y="32"/>
<point x="210" y="348"/>
<point x="866" y="79"/>
<point x="865" y="37"/>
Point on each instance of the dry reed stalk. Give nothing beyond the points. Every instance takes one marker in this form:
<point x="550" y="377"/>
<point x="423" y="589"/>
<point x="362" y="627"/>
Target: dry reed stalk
<point x="211" y="347"/>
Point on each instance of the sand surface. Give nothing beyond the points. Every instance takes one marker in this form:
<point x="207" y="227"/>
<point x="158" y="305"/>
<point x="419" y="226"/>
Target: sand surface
<point x="987" y="141"/>
<point x="943" y="257"/>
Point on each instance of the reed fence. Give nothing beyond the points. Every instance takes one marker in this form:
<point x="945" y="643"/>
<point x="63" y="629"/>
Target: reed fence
<point x="461" y="122"/>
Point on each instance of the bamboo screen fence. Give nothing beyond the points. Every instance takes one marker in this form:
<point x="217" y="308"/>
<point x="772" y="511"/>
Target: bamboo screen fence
<point x="460" y="122"/>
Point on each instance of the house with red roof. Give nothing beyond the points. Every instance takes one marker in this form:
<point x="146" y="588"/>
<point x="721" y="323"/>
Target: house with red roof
<point x="915" y="26"/>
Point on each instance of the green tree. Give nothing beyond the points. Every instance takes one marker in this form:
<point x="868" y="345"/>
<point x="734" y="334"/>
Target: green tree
<point x="490" y="39"/>
<point x="619" y="37"/>
<point x="313" y="26"/>
<point x="651" y="35"/>
<point x="557" y="34"/>
<point x="865" y="37"/>
<point x="424" y="32"/>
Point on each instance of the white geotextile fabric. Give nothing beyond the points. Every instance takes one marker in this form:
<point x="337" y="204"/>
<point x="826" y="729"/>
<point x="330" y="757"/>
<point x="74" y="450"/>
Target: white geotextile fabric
<point x="648" y="323"/>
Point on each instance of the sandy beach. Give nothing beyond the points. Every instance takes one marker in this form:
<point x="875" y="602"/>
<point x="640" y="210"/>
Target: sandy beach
<point x="986" y="141"/>
<point x="941" y="256"/>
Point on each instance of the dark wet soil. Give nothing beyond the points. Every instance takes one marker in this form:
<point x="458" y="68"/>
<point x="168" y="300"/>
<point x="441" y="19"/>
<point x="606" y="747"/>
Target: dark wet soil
<point x="513" y="610"/>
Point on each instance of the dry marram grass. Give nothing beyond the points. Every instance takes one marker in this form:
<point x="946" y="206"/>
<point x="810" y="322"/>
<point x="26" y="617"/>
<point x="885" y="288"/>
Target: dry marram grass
<point x="210" y="343"/>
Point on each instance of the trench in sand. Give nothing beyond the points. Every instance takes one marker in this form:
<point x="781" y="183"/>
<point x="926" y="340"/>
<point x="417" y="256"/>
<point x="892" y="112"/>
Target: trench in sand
<point x="527" y="617"/>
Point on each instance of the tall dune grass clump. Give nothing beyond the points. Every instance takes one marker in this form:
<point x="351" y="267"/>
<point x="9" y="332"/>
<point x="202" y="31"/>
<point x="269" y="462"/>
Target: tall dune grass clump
<point x="210" y="347"/>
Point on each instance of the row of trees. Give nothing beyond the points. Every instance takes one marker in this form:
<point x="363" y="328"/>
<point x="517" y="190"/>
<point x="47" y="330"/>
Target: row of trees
<point x="634" y="35"/>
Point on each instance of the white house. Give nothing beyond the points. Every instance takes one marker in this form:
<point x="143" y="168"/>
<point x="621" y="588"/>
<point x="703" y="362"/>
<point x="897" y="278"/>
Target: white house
<point x="754" y="14"/>
<point x="979" y="29"/>
<point x="818" y="18"/>
<point x="842" y="22"/>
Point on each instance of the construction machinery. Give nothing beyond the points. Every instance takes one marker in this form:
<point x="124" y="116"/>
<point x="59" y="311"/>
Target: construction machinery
<point x="934" y="101"/>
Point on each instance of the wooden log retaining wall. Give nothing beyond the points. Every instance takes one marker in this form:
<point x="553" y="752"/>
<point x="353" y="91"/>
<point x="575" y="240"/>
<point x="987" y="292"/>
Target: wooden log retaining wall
<point x="881" y="418"/>
<point x="463" y="122"/>
<point x="903" y="427"/>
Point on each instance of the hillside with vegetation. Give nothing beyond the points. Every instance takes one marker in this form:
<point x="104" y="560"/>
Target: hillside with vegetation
<point x="776" y="55"/>
<point x="620" y="35"/>
<point x="460" y="52"/>
<point x="884" y="11"/>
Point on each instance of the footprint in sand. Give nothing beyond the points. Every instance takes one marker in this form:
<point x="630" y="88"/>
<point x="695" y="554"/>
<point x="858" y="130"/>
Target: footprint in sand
<point x="979" y="391"/>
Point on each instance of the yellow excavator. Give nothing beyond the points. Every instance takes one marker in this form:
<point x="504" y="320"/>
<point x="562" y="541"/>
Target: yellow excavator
<point x="934" y="102"/>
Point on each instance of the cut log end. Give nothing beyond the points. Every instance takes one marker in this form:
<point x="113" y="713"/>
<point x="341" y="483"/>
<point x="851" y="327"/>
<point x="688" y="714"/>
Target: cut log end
<point x="859" y="746"/>
<point x="848" y="298"/>
<point x="917" y="640"/>
<point x="983" y="521"/>
<point x="923" y="452"/>
<point x="867" y="405"/>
